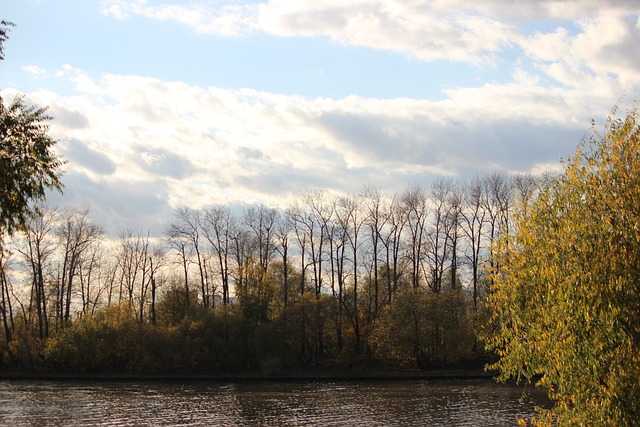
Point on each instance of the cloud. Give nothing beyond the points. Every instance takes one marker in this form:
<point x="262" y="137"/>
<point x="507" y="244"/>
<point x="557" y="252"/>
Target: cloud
<point x="166" y="144"/>
<point x="606" y="48"/>
<point x="68" y="117"/>
<point x="225" y="20"/>
<point x="462" y="31"/>
<point x="140" y="145"/>
<point x="426" y="33"/>
<point x="164" y="163"/>
<point x="117" y="204"/>
<point x="79" y="153"/>
<point x="34" y="70"/>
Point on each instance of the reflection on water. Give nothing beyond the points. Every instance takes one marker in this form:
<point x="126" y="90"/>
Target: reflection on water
<point x="378" y="403"/>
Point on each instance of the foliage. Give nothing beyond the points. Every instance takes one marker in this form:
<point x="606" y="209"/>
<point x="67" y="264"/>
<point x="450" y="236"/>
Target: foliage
<point x="4" y="35"/>
<point x="305" y="327"/>
<point x="426" y="329"/>
<point x="113" y="340"/>
<point x="26" y="350"/>
<point x="566" y="296"/>
<point x="28" y="166"/>
<point x="173" y="306"/>
<point x="110" y="340"/>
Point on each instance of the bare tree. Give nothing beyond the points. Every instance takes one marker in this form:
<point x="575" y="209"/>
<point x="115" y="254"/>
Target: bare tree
<point x="260" y="222"/>
<point x="350" y="212"/>
<point x="187" y="228"/>
<point x="137" y="270"/>
<point x="181" y="244"/>
<point x="310" y="222"/>
<point x="415" y="206"/>
<point x="296" y="217"/>
<point x="240" y="251"/>
<point x="392" y="242"/>
<point x="473" y="218"/>
<point x="338" y="242"/>
<point x="442" y="234"/>
<point x="376" y="220"/>
<point x="454" y="209"/>
<point x="283" y="230"/>
<point x="497" y="203"/>
<point x="318" y="217"/>
<point x="218" y="225"/>
<point x="156" y="262"/>
<point x="77" y="235"/>
<point x="37" y="248"/>
<point x="5" y="298"/>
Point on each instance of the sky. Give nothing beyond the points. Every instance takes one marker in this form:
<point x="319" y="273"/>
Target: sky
<point x="164" y="104"/>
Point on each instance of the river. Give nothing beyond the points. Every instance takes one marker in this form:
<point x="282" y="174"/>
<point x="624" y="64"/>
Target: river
<point x="264" y="403"/>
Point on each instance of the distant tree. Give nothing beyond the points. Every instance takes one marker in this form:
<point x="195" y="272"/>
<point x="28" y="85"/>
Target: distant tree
<point x="415" y="205"/>
<point x="350" y="214"/>
<point x="566" y="294"/>
<point x="260" y="223"/>
<point x="497" y="194"/>
<point x="78" y="235"/>
<point x="473" y="220"/>
<point x="37" y="248"/>
<point x="424" y="329"/>
<point x="218" y="224"/>
<point x="188" y="228"/>
<point x="392" y="242"/>
<point x="442" y="236"/>
<point x="376" y="220"/>
<point x="283" y="230"/>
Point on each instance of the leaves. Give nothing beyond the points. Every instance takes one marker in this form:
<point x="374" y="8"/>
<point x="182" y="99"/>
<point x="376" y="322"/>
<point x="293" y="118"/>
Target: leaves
<point x="28" y="165"/>
<point x="565" y="301"/>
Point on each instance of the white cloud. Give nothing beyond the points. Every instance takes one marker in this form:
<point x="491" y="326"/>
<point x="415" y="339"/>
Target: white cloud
<point x="593" y="41"/>
<point x="227" y="20"/>
<point x="423" y="32"/>
<point x="605" y="51"/>
<point x="184" y="144"/>
<point x="34" y="70"/>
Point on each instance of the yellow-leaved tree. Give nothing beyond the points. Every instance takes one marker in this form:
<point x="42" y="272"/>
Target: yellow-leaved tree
<point x="565" y="304"/>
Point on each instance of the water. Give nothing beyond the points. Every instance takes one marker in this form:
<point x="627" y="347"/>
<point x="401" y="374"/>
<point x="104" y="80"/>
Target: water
<point x="368" y="403"/>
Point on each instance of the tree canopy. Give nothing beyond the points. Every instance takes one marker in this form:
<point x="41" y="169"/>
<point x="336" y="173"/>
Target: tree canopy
<point x="566" y="294"/>
<point x="28" y="165"/>
<point x="4" y="35"/>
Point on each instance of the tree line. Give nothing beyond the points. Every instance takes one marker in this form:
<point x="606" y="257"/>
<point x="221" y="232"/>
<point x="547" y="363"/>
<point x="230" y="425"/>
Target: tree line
<point x="362" y="275"/>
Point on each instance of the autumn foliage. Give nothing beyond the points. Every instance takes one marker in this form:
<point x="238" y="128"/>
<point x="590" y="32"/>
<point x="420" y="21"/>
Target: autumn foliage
<point x="566" y="292"/>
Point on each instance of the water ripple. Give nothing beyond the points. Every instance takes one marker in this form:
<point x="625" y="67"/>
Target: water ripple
<point x="385" y="403"/>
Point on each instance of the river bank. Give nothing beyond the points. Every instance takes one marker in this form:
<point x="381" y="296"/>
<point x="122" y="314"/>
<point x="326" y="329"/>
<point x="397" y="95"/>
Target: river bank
<point x="307" y="375"/>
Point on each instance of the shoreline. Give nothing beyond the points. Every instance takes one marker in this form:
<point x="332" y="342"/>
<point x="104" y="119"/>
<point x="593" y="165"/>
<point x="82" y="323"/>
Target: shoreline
<point x="249" y="377"/>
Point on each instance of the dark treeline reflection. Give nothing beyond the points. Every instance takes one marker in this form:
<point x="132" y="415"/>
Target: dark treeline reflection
<point x="355" y="280"/>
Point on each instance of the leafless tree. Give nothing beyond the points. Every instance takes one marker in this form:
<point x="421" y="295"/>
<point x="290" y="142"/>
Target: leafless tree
<point x="443" y="232"/>
<point x="37" y="249"/>
<point x="376" y="220"/>
<point x="260" y="222"/>
<point x="392" y="242"/>
<point x="218" y="226"/>
<point x="416" y="209"/>
<point x="77" y="236"/>
<point x="187" y="228"/>
<point x="350" y="212"/>
<point x="473" y="219"/>
<point x="5" y="298"/>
